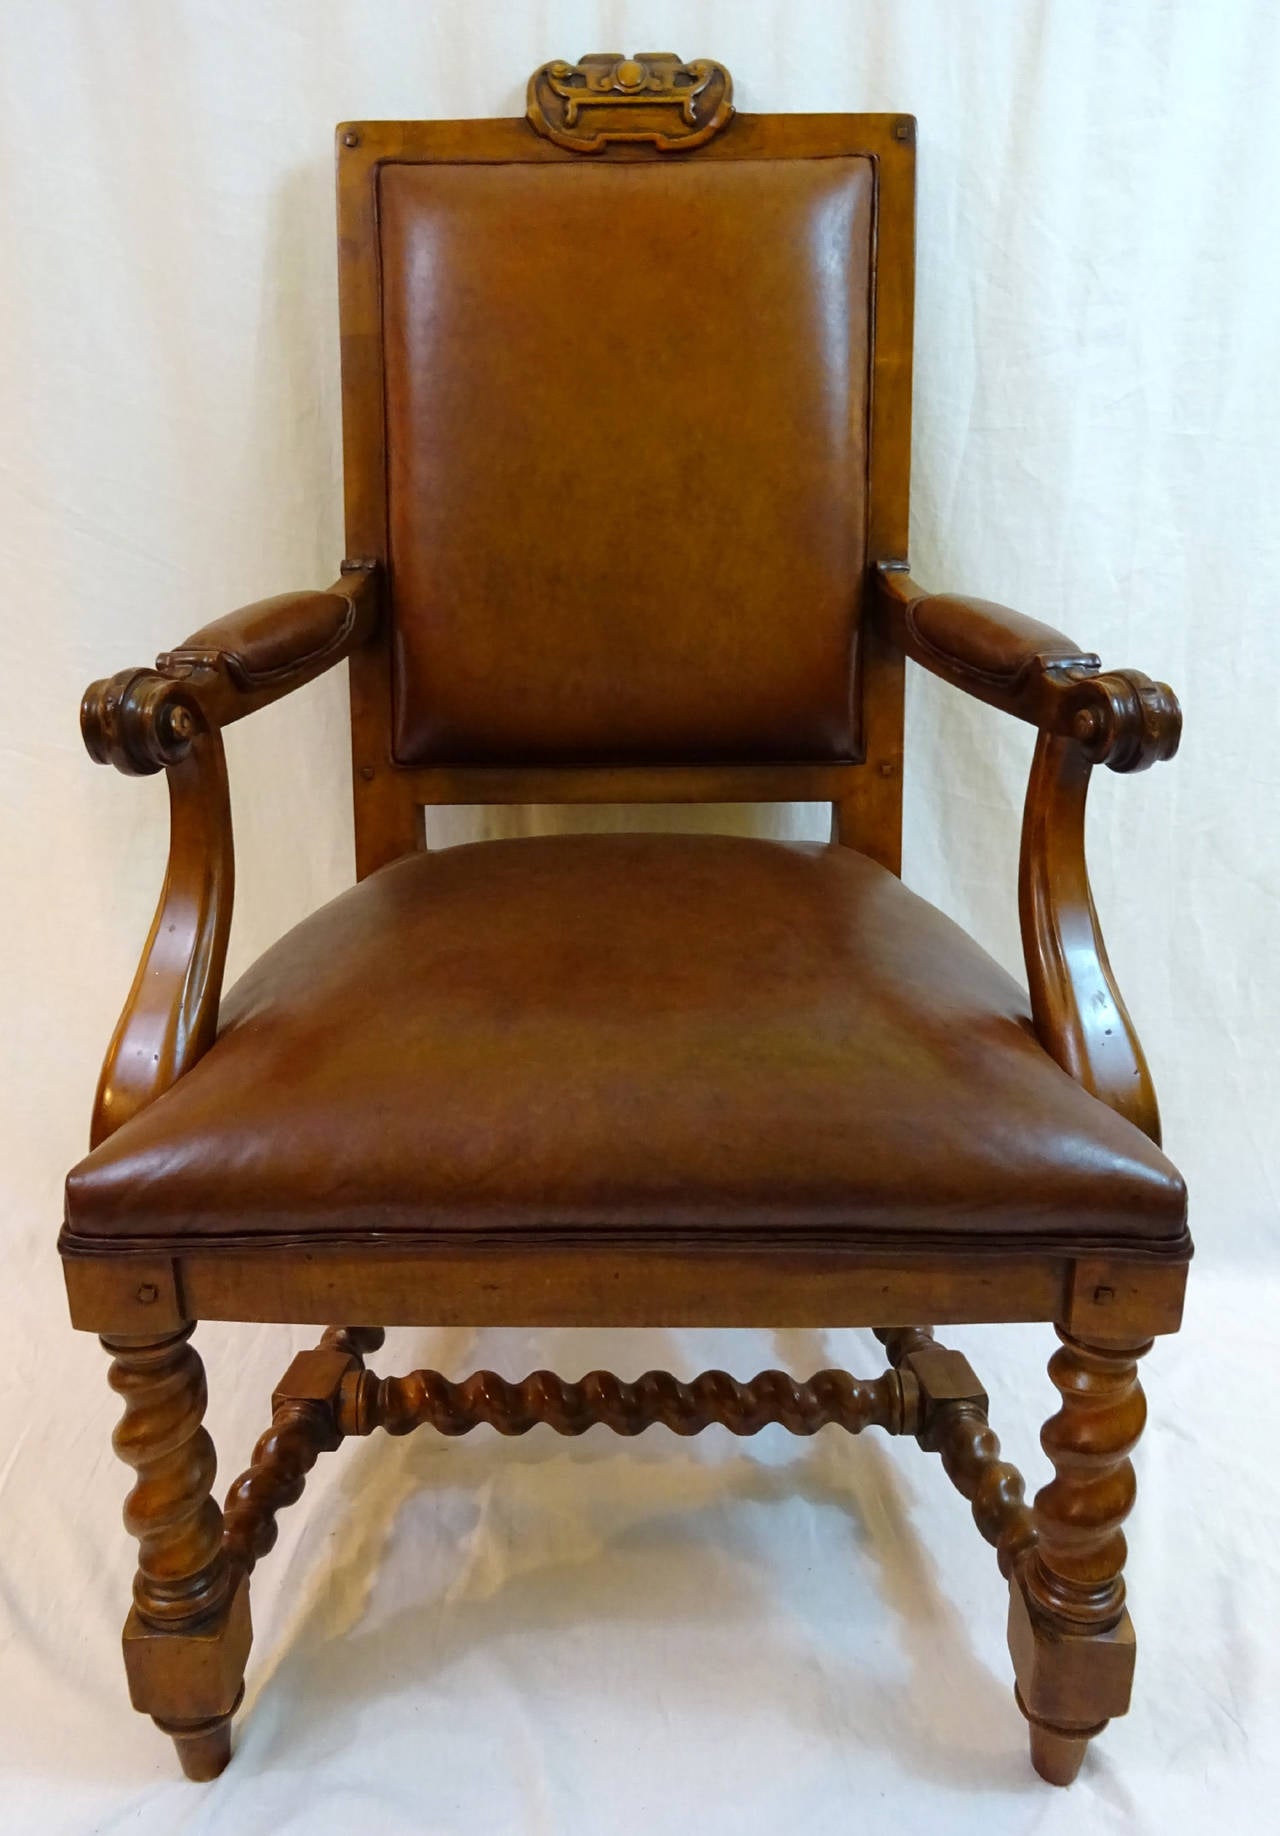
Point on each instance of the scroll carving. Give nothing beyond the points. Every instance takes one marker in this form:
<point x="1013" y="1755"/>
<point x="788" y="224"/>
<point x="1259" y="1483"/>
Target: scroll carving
<point x="605" y="98"/>
<point x="1124" y="720"/>
<point x="139" y="721"/>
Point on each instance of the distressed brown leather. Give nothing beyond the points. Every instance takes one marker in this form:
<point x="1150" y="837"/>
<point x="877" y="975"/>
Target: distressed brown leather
<point x="977" y="637"/>
<point x="631" y="1033"/>
<point x="626" y="417"/>
<point x="271" y="638"/>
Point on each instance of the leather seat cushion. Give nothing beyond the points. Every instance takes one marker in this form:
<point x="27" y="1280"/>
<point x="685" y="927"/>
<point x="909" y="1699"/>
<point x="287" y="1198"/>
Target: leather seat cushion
<point x="628" y="1034"/>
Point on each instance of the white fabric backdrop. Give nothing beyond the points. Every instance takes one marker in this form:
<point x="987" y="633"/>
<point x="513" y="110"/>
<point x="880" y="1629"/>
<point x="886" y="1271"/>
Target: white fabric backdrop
<point x="594" y="1636"/>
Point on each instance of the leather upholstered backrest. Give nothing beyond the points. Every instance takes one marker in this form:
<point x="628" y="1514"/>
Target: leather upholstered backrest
<point x="626" y="421"/>
<point x="626" y="395"/>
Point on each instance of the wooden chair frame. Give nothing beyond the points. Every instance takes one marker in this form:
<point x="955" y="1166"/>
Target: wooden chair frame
<point x="187" y="1637"/>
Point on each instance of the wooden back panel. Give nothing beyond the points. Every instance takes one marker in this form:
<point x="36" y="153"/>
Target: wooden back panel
<point x="694" y="632"/>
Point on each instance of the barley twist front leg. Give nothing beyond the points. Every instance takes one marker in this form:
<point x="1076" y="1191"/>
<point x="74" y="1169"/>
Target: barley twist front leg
<point x="187" y="1637"/>
<point x="1069" y="1631"/>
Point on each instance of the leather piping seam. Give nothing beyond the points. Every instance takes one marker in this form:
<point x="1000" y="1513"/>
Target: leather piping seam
<point x="178" y="662"/>
<point x="1038" y="662"/>
<point x="870" y="1247"/>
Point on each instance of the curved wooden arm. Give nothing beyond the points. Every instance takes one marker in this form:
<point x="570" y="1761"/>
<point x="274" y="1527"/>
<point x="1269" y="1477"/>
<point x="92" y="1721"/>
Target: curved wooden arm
<point x="171" y="1015"/>
<point x="1121" y="719"/>
<point x="169" y="719"/>
<point x="1080" y="1017"/>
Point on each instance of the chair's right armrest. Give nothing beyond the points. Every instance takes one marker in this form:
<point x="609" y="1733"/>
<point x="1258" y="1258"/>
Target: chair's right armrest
<point x="141" y="720"/>
<point x="170" y="719"/>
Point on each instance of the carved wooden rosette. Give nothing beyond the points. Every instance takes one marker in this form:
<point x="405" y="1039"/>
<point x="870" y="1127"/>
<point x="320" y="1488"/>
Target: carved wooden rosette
<point x="606" y="98"/>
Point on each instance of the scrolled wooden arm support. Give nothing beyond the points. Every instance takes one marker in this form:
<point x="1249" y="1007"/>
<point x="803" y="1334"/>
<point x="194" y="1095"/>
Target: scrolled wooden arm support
<point x="170" y="719"/>
<point x="1085" y="717"/>
<point x="140" y="722"/>
<point x="1124" y="720"/>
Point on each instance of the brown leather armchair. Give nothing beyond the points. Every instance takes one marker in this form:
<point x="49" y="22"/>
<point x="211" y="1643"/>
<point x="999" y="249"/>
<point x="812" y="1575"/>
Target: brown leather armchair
<point x="627" y="410"/>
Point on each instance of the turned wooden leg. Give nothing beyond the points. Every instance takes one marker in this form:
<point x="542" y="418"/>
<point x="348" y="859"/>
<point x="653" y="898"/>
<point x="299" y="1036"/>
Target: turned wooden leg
<point x="1069" y="1632"/>
<point x="187" y="1637"/>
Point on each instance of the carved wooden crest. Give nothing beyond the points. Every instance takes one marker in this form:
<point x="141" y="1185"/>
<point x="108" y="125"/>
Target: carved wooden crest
<point x="652" y="96"/>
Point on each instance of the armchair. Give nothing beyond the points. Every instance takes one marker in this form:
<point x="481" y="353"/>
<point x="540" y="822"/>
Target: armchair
<point x="628" y="528"/>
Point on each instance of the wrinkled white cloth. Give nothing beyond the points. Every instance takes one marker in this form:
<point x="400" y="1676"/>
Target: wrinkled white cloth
<point x="665" y="1635"/>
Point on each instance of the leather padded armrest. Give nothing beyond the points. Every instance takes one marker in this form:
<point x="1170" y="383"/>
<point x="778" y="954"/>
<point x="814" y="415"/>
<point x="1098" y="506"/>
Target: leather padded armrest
<point x="271" y="639"/>
<point x="976" y="637"/>
<point x="1121" y="719"/>
<point x="143" y="720"/>
<point x="1012" y="662"/>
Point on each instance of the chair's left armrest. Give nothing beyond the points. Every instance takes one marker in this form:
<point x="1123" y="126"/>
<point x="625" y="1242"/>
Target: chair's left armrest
<point x="170" y="719"/>
<point x="1084" y="717"/>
